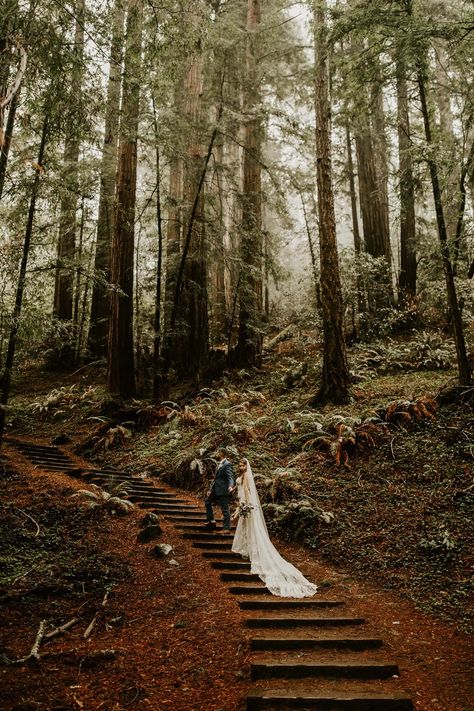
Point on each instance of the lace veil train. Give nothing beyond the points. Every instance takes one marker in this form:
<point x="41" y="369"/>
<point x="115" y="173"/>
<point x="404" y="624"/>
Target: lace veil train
<point x="253" y="541"/>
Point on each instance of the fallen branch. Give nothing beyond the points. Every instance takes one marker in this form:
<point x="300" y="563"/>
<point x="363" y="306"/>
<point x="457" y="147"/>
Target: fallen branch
<point x="33" y="521"/>
<point x="34" y="654"/>
<point x="61" y="629"/>
<point x="91" y="625"/>
<point x="282" y="336"/>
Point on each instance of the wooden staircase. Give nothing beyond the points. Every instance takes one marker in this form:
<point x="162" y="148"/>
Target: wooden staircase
<point x="306" y="654"/>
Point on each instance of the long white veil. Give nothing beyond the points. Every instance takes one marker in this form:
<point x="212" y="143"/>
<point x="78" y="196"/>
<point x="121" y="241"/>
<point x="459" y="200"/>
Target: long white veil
<point x="253" y="541"/>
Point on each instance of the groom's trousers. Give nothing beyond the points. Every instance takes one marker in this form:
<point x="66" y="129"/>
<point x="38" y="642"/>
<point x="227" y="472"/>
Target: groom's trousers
<point x="224" y="503"/>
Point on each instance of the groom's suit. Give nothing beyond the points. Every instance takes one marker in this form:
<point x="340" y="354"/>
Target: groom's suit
<point x="219" y="492"/>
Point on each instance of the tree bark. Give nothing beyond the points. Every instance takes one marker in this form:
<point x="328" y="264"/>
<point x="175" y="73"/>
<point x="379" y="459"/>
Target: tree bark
<point x="121" y="372"/>
<point x="64" y="285"/>
<point x="7" y="139"/>
<point x="358" y="246"/>
<point x="16" y="317"/>
<point x="249" y="346"/>
<point x="97" y="341"/>
<point x="408" y="263"/>
<point x="157" y="355"/>
<point x="335" y="376"/>
<point x="449" y="182"/>
<point x="464" y="369"/>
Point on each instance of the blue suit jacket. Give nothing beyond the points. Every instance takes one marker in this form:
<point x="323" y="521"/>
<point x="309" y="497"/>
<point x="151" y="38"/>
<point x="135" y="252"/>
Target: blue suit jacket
<point x="223" y="479"/>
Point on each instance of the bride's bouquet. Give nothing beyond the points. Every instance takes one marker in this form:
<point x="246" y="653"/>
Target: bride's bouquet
<point x="244" y="509"/>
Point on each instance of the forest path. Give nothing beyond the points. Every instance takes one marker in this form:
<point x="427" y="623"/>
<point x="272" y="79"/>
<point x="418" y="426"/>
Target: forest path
<point x="310" y="654"/>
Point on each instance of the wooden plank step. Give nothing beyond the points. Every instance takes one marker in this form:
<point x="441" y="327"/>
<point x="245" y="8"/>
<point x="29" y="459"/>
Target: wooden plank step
<point x="194" y="518"/>
<point x="212" y="545"/>
<point x="327" y="641"/>
<point x="176" y="507"/>
<point x="149" y="497"/>
<point x="229" y="565"/>
<point x="49" y="457"/>
<point x="285" y="622"/>
<point x="249" y="590"/>
<point x="328" y="701"/>
<point x="240" y="577"/>
<point x="334" y="669"/>
<point x="227" y="555"/>
<point x="288" y="603"/>
<point x="196" y="527"/>
<point x="54" y="467"/>
<point x="208" y="536"/>
<point x="133" y="481"/>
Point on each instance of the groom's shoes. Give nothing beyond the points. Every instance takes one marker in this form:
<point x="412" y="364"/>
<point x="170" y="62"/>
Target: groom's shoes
<point x="211" y="524"/>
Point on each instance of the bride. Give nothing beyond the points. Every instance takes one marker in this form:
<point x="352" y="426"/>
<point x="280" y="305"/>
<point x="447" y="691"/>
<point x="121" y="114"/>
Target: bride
<point x="252" y="541"/>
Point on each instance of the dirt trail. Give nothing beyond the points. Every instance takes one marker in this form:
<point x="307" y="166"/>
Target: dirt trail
<point x="174" y="663"/>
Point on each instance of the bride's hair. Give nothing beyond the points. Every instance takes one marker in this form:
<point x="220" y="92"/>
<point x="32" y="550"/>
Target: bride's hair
<point x="244" y="459"/>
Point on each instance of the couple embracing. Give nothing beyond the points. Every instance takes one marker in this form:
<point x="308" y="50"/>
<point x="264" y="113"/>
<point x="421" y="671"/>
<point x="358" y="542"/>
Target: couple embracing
<point x="251" y="539"/>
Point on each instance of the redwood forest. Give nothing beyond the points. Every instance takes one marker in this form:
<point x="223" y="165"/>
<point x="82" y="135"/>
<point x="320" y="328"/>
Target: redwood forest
<point x="236" y="281"/>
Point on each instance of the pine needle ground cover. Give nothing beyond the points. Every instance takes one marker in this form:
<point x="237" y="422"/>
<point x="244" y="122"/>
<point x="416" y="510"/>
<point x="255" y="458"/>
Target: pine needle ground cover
<point x="160" y="641"/>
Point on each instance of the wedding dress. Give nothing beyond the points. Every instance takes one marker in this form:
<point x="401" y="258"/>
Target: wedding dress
<point x="252" y="541"/>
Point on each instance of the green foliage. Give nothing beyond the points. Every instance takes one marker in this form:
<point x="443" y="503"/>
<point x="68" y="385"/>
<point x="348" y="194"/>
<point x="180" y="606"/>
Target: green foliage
<point x="296" y="518"/>
<point x="112" y="501"/>
<point x="63" y="399"/>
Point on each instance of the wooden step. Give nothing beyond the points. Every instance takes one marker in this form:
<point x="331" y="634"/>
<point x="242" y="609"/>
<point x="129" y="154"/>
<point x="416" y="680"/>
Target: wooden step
<point x="176" y="508"/>
<point x="330" y="701"/>
<point x="288" y="603"/>
<point x="221" y="555"/>
<point x="208" y="536"/>
<point x="285" y="622"/>
<point x="212" y="545"/>
<point x="135" y="496"/>
<point x="240" y="577"/>
<point x="249" y="590"/>
<point x="324" y="642"/>
<point x="335" y="669"/>
<point x="196" y="528"/>
<point x="229" y="565"/>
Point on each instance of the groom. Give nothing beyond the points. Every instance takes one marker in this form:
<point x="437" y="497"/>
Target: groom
<point x="220" y="491"/>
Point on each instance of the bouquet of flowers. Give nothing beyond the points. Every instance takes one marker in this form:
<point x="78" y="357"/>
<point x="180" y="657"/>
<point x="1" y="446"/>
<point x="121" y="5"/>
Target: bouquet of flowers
<point x="245" y="509"/>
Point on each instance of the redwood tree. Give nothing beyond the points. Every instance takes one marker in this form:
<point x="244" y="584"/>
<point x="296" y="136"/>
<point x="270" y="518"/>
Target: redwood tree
<point x="335" y="376"/>
<point x="408" y="263"/>
<point x="249" y="347"/>
<point x="105" y="223"/>
<point x="63" y="294"/>
<point x="120" y="373"/>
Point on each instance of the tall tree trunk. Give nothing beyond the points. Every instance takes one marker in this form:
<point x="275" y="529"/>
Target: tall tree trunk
<point x="449" y="182"/>
<point x="20" y="289"/>
<point x="371" y="154"/>
<point x="408" y="264"/>
<point x="174" y="230"/>
<point x="7" y="139"/>
<point x="121" y="372"/>
<point x="335" y="377"/>
<point x="190" y="318"/>
<point x="464" y="369"/>
<point x="249" y="347"/>
<point x="8" y="25"/>
<point x="97" y="341"/>
<point x="218" y="265"/>
<point x="358" y="247"/>
<point x="157" y="354"/>
<point x="381" y="167"/>
<point x="64" y="284"/>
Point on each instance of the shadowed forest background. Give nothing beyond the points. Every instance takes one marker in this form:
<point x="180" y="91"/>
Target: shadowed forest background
<point x="252" y="224"/>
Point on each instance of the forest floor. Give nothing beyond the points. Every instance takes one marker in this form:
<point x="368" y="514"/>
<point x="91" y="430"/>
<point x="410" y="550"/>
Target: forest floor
<point x="373" y="500"/>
